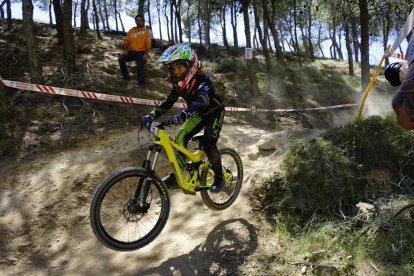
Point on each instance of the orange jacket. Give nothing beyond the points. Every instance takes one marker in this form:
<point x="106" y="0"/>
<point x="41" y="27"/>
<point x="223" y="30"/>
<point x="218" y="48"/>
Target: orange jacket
<point x="138" y="39"/>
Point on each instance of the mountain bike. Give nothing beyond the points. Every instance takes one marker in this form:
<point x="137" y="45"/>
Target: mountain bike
<point x="131" y="207"/>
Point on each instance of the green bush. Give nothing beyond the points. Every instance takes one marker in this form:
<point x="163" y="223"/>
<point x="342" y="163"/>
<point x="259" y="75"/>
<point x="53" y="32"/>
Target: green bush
<point x="321" y="177"/>
<point x="274" y="195"/>
<point x="376" y="143"/>
<point x="328" y="175"/>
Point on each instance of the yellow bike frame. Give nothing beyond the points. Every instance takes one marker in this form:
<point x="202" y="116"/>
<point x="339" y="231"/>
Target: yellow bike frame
<point x="191" y="182"/>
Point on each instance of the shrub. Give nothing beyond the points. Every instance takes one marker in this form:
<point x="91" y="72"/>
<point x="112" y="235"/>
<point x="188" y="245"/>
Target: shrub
<point x="356" y="162"/>
<point x="274" y="194"/>
<point x="321" y="177"/>
<point x="376" y="143"/>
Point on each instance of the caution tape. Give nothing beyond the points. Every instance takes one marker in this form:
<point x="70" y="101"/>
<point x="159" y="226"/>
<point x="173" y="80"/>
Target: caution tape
<point x="130" y="100"/>
<point x="400" y="56"/>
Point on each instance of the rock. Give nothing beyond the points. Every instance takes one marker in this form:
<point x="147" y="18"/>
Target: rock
<point x="253" y="156"/>
<point x="366" y="210"/>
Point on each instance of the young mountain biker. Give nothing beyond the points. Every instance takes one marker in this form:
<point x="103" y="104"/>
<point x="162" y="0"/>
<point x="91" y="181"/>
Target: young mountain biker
<point x="204" y="108"/>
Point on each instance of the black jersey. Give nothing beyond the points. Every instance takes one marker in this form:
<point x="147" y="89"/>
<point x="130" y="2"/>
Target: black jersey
<point x="200" y="96"/>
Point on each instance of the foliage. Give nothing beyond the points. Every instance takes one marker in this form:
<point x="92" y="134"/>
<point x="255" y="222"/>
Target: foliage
<point x="376" y="143"/>
<point x="229" y="64"/>
<point x="351" y="163"/>
<point x="313" y="169"/>
<point x="274" y="195"/>
<point x="370" y="248"/>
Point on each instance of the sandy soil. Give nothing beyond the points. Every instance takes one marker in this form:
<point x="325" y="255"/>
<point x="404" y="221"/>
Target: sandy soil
<point x="45" y="214"/>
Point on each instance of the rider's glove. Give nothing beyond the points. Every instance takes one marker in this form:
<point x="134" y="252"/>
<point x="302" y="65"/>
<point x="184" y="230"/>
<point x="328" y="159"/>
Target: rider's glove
<point x="147" y="120"/>
<point x="180" y="118"/>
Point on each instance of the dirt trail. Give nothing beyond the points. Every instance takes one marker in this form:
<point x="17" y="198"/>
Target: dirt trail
<point x="45" y="215"/>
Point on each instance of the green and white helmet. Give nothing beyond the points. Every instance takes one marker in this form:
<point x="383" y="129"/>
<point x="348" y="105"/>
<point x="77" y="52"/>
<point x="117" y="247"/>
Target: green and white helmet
<point x="185" y="55"/>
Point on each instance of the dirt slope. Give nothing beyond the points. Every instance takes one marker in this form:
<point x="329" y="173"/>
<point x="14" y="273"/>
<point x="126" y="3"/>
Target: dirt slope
<point x="45" y="208"/>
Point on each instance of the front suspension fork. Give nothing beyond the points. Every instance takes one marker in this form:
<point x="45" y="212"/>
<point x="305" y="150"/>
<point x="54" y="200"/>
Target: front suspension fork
<point x="149" y="166"/>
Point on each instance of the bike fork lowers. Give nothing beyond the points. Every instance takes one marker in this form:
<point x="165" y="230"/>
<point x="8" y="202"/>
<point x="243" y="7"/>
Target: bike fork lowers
<point x="149" y="167"/>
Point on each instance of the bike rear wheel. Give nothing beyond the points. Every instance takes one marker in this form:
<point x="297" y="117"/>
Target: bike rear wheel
<point x="233" y="169"/>
<point x="118" y="221"/>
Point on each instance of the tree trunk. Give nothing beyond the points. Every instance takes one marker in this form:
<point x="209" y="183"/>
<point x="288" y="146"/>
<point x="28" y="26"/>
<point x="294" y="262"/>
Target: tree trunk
<point x="364" y="19"/>
<point x="95" y="11"/>
<point x="333" y="37"/>
<point x="75" y="7"/>
<point x="1" y="9"/>
<point x="9" y="15"/>
<point x="311" y="50"/>
<point x="200" y="30"/>
<point x="172" y="21"/>
<point x="189" y="21"/>
<point x="149" y="15"/>
<point x="158" y="6"/>
<point x="320" y="40"/>
<point x="84" y="24"/>
<point x="167" y="21"/>
<point x="104" y="27"/>
<point x="355" y="39"/>
<point x="116" y="18"/>
<point x="57" y="8"/>
<point x="68" y="42"/>
<point x="273" y="30"/>
<point x="250" y="70"/>
<point x="386" y="26"/>
<point x="296" y="33"/>
<point x="234" y="24"/>
<point x="207" y="23"/>
<point x="178" y="17"/>
<point x="349" y="49"/>
<point x="50" y="14"/>
<point x="223" y="27"/>
<point x="339" y="45"/>
<point x="262" y="38"/>
<point x="108" y="28"/>
<point x="32" y="56"/>
<point x="120" y="20"/>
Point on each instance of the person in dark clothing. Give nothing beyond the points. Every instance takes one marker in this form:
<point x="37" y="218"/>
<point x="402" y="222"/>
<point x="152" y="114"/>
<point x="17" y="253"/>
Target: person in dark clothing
<point x="403" y="101"/>
<point x="204" y="110"/>
<point x="137" y="44"/>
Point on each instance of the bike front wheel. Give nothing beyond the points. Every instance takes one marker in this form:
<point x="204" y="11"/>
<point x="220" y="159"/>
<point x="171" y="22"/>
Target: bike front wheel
<point x="233" y="173"/>
<point x="118" y="220"/>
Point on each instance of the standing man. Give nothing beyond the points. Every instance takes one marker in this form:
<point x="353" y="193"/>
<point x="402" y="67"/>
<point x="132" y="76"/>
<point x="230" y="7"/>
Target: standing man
<point x="403" y="100"/>
<point x="137" y="44"/>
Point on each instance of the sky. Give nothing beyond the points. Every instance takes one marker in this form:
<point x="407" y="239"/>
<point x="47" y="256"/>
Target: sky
<point x="376" y="50"/>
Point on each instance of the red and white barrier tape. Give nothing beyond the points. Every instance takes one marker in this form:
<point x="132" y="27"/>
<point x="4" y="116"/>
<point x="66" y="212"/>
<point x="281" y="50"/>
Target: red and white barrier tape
<point x="400" y="56"/>
<point x="106" y="97"/>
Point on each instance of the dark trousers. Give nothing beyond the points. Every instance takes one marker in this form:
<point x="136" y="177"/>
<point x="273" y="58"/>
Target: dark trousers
<point x="212" y="124"/>
<point x="136" y="56"/>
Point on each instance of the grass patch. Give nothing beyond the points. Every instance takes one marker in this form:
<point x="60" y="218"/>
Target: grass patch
<point x="312" y="201"/>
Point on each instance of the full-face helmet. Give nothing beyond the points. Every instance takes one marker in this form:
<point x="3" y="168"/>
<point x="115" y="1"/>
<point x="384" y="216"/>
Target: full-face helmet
<point x="181" y="54"/>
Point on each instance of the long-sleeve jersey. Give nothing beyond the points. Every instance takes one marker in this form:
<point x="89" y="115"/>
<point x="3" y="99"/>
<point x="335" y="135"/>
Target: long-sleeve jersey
<point x="200" y="97"/>
<point x="138" y="39"/>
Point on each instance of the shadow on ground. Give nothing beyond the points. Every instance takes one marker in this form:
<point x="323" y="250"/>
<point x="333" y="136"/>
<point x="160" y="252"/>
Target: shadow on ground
<point x="225" y="248"/>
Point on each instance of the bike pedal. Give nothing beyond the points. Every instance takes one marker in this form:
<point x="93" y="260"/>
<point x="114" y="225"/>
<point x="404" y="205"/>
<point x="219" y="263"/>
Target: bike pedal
<point x="187" y="192"/>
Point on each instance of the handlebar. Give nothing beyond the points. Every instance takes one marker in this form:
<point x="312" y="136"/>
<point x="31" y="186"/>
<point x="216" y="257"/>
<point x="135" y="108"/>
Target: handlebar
<point x="158" y="125"/>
